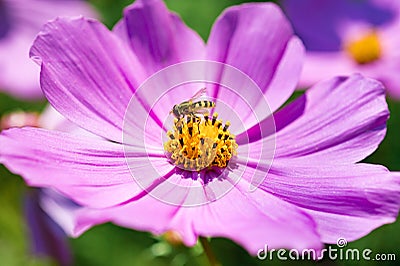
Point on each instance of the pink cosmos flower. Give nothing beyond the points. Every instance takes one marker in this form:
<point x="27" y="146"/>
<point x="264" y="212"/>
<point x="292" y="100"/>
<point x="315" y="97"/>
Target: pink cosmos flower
<point x="312" y="192"/>
<point x="20" y="21"/>
<point x="344" y="37"/>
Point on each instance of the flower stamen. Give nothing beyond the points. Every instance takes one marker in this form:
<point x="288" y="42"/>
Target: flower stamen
<point x="200" y="142"/>
<point x="366" y="49"/>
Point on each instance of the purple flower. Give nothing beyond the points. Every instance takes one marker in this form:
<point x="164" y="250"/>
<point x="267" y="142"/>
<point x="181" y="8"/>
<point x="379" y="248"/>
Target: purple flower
<point x="345" y="36"/>
<point x="20" y="21"/>
<point x="47" y="237"/>
<point x="312" y="192"/>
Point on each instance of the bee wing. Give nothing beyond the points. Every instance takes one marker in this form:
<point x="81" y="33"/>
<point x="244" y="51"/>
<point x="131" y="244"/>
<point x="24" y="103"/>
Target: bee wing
<point x="202" y="111"/>
<point x="199" y="93"/>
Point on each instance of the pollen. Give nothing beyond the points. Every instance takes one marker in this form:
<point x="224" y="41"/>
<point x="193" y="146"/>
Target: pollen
<point x="366" y="49"/>
<point x="199" y="142"/>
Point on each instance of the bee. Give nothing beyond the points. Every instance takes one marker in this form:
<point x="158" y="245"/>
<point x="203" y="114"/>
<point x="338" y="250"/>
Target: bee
<point x="190" y="107"/>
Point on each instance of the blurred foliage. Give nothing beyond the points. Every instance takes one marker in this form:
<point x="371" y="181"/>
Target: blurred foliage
<point x="9" y="104"/>
<point x="111" y="245"/>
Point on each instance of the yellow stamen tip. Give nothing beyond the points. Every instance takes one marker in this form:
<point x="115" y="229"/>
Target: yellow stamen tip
<point x="197" y="145"/>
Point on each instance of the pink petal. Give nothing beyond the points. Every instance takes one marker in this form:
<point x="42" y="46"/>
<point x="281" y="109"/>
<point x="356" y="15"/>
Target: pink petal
<point x="158" y="37"/>
<point x="258" y="40"/>
<point x="345" y="200"/>
<point x="341" y="120"/>
<point x="255" y="219"/>
<point x="251" y="219"/>
<point x="61" y="209"/>
<point x="87" y="74"/>
<point x="91" y="171"/>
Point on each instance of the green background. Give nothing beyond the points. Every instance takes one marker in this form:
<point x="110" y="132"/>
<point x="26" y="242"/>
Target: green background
<point x="111" y="245"/>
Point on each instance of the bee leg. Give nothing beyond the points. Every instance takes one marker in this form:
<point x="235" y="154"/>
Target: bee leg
<point x="195" y="117"/>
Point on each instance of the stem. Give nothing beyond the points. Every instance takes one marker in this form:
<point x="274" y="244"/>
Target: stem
<point x="208" y="251"/>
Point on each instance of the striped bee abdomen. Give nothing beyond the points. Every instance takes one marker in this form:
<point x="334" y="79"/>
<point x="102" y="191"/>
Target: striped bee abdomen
<point x="203" y="104"/>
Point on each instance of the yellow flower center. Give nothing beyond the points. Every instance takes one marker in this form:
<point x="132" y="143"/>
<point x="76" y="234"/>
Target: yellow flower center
<point x="365" y="49"/>
<point x="200" y="142"/>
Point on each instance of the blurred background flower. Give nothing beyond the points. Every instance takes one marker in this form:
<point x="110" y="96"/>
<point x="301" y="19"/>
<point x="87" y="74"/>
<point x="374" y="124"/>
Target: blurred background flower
<point x="47" y="238"/>
<point x="20" y="21"/>
<point x="348" y="36"/>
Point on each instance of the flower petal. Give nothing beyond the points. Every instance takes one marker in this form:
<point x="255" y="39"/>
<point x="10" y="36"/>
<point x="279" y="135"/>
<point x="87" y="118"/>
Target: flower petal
<point x="341" y="120"/>
<point x="61" y="209"/>
<point x="253" y="220"/>
<point x="158" y="37"/>
<point x="362" y="196"/>
<point x="91" y="171"/>
<point x="258" y="40"/>
<point x="344" y="120"/>
<point x="256" y="219"/>
<point x="87" y="74"/>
